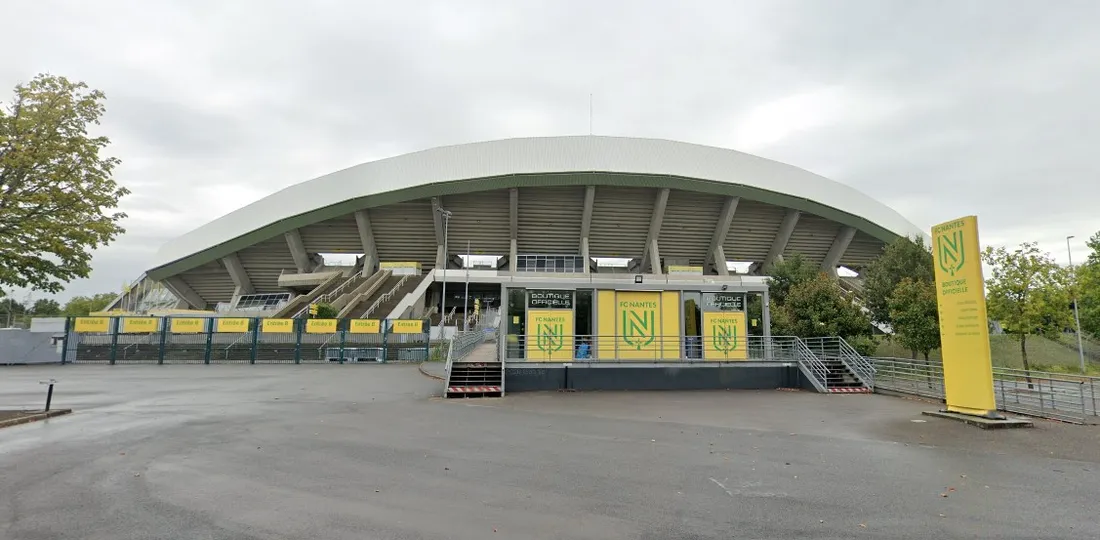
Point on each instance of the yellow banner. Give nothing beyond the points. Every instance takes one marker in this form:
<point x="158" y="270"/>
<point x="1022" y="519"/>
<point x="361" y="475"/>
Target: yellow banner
<point x="725" y="336"/>
<point x="231" y="326"/>
<point x="188" y="325"/>
<point x="408" y="326"/>
<point x="277" y="326"/>
<point x="321" y="326"/>
<point x="365" y="326"/>
<point x="964" y="328"/>
<point x="549" y="335"/>
<point x="92" y="325"/>
<point x="675" y="269"/>
<point x="139" y="325"/>
<point x="639" y="327"/>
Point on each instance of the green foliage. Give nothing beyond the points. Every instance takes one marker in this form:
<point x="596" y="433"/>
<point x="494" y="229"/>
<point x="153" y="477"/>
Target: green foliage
<point x="326" y="311"/>
<point x="914" y="316"/>
<point x="81" y="306"/>
<point x="46" y="307"/>
<point x="56" y="193"/>
<point x="784" y="275"/>
<point x="816" y="308"/>
<point x="1088" y="289"/>
<point x="1027" y="293"/>
<point x="903" y="258"/>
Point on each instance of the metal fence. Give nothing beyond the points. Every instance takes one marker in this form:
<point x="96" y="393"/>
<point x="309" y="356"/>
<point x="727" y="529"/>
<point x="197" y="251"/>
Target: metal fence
<point x="298" y="341"/>
<point x="683" y="349"/>
<point x="1069" y="398"/>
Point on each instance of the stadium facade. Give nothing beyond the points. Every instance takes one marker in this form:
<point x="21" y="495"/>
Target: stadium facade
<point x="694" y="226"/>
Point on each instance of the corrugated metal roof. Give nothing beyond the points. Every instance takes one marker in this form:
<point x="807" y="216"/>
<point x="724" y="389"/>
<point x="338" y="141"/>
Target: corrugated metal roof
<point x="534" y="156"/>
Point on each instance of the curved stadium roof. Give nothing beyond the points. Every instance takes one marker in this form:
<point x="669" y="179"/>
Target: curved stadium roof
<point x="477" y="177"/>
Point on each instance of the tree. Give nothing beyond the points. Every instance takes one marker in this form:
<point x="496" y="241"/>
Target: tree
<point x="11" y="311"/>
<point x="903" y="258"/>
<point x="784" y="275"/>
<point x="326" y="311"/>
<point x="46" y="307"/>
<point x="81" y="306"/>
<point x="1087" y="288"/>
<point x="915" y="316"/>
<point x="1027" y="293"/>
<point x="816" y="308"/>
<point x="56" y="193"/>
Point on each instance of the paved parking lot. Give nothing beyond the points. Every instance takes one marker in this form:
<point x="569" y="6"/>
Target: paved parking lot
<point x="367" y="452"/>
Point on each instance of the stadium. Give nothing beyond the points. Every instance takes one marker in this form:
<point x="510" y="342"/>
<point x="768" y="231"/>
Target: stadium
<point x="609" y="252"/>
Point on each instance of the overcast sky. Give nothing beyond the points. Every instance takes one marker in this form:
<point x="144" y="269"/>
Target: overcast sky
<point x="936" y="108"/>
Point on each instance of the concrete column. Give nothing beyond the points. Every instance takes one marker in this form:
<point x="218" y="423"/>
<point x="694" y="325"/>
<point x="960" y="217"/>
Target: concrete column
<point x="766" y="313"/>
<point x="779" y="244"/>
<point x="512" y="256"/>
<point x="655" y="222"/>
<point x="721" y="231"/>
<point x="836" y="251"/>
<point x="298" y="251"/>
<point x="366" y="239"/>
<point x="238" y="274"/>
<point x="184" y="292"/>
<point x="584" y="255"/>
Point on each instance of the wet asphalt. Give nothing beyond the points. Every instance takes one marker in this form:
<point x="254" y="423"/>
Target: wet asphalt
<point x="333" y="452"/>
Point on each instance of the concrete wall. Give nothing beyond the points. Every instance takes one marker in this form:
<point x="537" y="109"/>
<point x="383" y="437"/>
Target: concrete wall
<point x="652" y="377"/>
<point x="24" y="347"/>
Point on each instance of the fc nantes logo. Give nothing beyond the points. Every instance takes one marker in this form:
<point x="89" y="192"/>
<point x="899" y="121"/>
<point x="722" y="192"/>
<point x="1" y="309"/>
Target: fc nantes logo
<point x="639" y="328"/>
<point x="952" y="255"/>
<point x="550" y="338"/>
<point x="725" y="337"/>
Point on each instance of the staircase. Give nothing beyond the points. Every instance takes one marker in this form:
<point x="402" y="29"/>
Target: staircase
<point x="392" y="294"/>
<point x="352" y="303"/>
<point x="298" y="306"/>
<point x="836" y="367"/>
<point x="474" y="368"/>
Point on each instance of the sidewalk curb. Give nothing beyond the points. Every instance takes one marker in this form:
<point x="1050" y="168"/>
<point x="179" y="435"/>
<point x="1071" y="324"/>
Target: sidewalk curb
<point x="33" y="417"/>
<point x="420" y="367"/>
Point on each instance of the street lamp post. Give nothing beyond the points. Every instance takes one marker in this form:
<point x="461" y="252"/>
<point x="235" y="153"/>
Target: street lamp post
<point x="443" y="303"/>
<point x="1076" y="313"/>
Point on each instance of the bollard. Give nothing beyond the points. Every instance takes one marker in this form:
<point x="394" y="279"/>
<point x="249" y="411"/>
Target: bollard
<point x="49" y="392"/>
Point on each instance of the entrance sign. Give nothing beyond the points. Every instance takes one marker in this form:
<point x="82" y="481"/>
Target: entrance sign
<point x="364" y="326"/>
<point x="639" y="329"/>
<point x="964" y="328"/>
<point x="92" y="325"/>
<point x="549" y="299"/>
<point x="725" y="336"/>
<point x="235" y="326"/>
<point x="724" y="301"/>
<point x="140" y="325"/>
<point x="321" y="326"/>
<point x="277" y="326"/>
<point x="401" y="268"/>
<point x="550" y="335"/>
<point x="408" y="326"/>
<point x="188" y="325"/>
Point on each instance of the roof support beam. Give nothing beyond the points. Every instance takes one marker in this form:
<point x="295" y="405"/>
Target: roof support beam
<point x="650" y="254"/>
<point x="586" y="214"/>
<point x="779" y="244"/>
<point x="240" y="277"/>
<point x="836" y="251"/>
<point x="721" y="230"/>
<point x="366" y="238"/>
<point x="437" y="219"/>
<point x="298" y="251"/>
<point x="513" y="220"/>
<point x="184" y="292"/>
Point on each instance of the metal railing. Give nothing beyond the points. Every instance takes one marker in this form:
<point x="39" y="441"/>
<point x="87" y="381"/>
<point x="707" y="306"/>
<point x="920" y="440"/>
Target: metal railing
<point x="328" y="297"/>
<point x="835" y="348"/>
<point x="386" y="297"/>
<point x="685" y="349"/>
<point x="812" y="366"/>
<point x="1069" y="398"/>
<point x="291" y="341"/>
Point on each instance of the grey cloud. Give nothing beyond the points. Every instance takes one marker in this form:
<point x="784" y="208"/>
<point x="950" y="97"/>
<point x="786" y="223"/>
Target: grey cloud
<point x="979" y="107"/>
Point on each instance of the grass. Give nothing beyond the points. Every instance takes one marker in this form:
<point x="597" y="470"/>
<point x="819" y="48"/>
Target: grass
<point x="1056" y="356"/>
